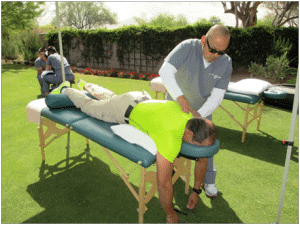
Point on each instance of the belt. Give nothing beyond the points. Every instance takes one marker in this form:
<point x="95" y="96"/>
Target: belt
<point x="130" y="107"/>
<point x="127" y="113"/>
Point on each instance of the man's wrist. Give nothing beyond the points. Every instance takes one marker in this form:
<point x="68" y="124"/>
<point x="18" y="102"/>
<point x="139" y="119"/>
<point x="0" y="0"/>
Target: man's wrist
<point x="181" y="98"/>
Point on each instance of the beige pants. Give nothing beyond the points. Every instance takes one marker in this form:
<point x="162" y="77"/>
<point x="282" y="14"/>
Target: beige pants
<point x="109" y="107"/>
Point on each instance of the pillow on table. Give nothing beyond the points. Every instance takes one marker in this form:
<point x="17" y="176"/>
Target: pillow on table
<point x="249" y="86"/>
<point x="134" y="136"/>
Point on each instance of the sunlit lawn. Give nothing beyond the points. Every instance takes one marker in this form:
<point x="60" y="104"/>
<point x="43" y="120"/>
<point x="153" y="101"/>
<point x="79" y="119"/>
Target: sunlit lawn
<point x="249" y="174"/>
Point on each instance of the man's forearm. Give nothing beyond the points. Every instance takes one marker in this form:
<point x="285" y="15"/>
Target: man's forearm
<point x="212" y="102"/>
<point x="48" y="67"/>
<point x="200" y="171"/>
<point x="186" y="107"/>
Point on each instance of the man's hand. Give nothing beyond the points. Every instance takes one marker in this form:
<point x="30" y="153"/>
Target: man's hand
<point x="186" y="107"/>
<point x="172" y="218"/>
<point x="48" y="67"/>
<point x="184" y="104"/>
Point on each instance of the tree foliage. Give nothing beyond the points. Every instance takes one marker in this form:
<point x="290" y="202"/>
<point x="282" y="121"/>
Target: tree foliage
<point x="211" y="21"/>
<point x="164" y="20"/>
<point x="18" y="15"/>
<point x="267" y="20"/>
<point x="85" y="15"/>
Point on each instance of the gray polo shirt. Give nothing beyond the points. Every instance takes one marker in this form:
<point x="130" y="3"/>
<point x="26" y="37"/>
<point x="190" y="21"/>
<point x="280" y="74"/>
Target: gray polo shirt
<point x="39" y="63"/>
<point x="196" y="81"/>
<point x="55" y="61"/>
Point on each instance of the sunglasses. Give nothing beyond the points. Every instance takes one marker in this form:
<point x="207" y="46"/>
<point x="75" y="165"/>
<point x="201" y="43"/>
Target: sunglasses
<point x="211" y="50"/>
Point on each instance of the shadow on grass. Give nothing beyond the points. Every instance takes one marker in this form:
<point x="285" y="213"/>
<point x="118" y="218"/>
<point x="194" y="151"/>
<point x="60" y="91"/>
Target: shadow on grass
<point x="90" y="193"/>
<point x="266" y="148"/>
<point x="272" y="106"/>
<point x="87" y="193"/>
<point x="14" y="68"/>
<point x="220" y="212"/>
<point x="82" y="189"/>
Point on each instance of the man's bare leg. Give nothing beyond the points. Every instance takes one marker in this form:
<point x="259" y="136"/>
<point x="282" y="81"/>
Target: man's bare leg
<point x="165" y="187"/>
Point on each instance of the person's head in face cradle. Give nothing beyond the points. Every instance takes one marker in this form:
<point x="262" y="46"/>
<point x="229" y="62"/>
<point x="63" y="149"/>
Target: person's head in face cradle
<point x="42" y="54"/>
<point x="200" y="131"/>
<point x="215" y="42"/>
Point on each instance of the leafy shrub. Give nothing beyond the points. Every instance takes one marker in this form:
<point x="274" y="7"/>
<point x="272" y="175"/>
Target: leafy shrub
<point x="30" y="44"/>
<point x="281" y="46"/>
<point x="276" y="67"/>
<point x="10" y="45"/>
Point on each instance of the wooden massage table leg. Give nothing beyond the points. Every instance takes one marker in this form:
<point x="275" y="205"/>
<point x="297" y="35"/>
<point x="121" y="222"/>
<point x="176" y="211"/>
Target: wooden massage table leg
<point x="57" y="132"/>
<point x="42" y="141"/>
<point x="187" y="175"/>
<point x="256" y="115"/>
<point x="87" y="150"/>
<point x="183" y="166"/>
<point x="52" y="130"/>
<point x="142" y="191"/>
<point x="156" y="94"/>
<point x="245" y="122"/>
<point x="261" y="105"/>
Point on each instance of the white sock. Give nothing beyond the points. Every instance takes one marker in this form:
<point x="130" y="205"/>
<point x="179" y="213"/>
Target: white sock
<point x="63" y="90"/>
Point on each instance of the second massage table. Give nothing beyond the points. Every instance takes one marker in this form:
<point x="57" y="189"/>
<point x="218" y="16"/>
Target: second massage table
<point x="249" y="91"/>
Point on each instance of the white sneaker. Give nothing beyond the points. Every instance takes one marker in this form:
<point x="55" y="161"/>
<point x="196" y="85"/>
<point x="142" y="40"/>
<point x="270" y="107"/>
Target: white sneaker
<point x="211" y="190"/>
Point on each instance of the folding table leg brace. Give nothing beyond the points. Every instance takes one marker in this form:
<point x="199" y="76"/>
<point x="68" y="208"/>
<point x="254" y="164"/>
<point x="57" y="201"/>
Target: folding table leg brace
<point x="182" y="166"/>
<point x="256" y="115"/>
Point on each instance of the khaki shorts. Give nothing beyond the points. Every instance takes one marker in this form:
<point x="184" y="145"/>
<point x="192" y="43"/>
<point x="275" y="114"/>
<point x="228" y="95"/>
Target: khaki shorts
<point x="109" y="107"/>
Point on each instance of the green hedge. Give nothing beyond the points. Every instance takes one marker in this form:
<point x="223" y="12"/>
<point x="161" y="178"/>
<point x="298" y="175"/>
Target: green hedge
<point x="248" y="45"/>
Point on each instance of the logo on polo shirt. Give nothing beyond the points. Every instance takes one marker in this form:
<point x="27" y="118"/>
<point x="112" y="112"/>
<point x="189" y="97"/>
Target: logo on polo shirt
<point x="214" y="76"/>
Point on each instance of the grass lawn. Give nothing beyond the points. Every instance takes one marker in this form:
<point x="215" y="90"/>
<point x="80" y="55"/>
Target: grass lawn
<point x="249" y="174"/>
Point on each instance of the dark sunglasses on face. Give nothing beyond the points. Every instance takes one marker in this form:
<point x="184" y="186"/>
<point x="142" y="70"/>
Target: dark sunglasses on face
<point x="211" y="50"/>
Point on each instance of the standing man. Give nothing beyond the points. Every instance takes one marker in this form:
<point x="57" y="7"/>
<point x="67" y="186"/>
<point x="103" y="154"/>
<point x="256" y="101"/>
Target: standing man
<point x="40" y="65"/>
<point x="196" y="74"/>
<point x="54" y="63"/>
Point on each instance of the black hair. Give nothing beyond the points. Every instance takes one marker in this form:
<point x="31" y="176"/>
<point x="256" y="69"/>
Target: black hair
<point x="202" y="130"/>
<point x="51" y="49"/>
<point x="42" y="50"/>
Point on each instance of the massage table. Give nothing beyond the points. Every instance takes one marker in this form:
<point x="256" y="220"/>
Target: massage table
<point x="58" y="109"/>
<point x="249" y="91"/>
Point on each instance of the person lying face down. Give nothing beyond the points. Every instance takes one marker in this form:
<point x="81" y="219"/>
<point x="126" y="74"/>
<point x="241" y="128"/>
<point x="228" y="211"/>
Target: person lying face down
<point x="162" y="120"/>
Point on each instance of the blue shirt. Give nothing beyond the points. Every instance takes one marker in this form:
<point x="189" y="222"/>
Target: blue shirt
<point x="196" y="81"/>
<point x="55" y="61"/>
<point x="39" y="63"/>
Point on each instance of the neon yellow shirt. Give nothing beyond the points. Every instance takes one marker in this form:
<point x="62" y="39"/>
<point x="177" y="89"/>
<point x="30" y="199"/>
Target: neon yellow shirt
<point x="164" y="122"/>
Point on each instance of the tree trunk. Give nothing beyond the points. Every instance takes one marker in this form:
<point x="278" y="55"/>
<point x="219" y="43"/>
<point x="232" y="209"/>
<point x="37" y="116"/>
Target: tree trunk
<point x="244" y="12"/>
<point x="236" y="15"/>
